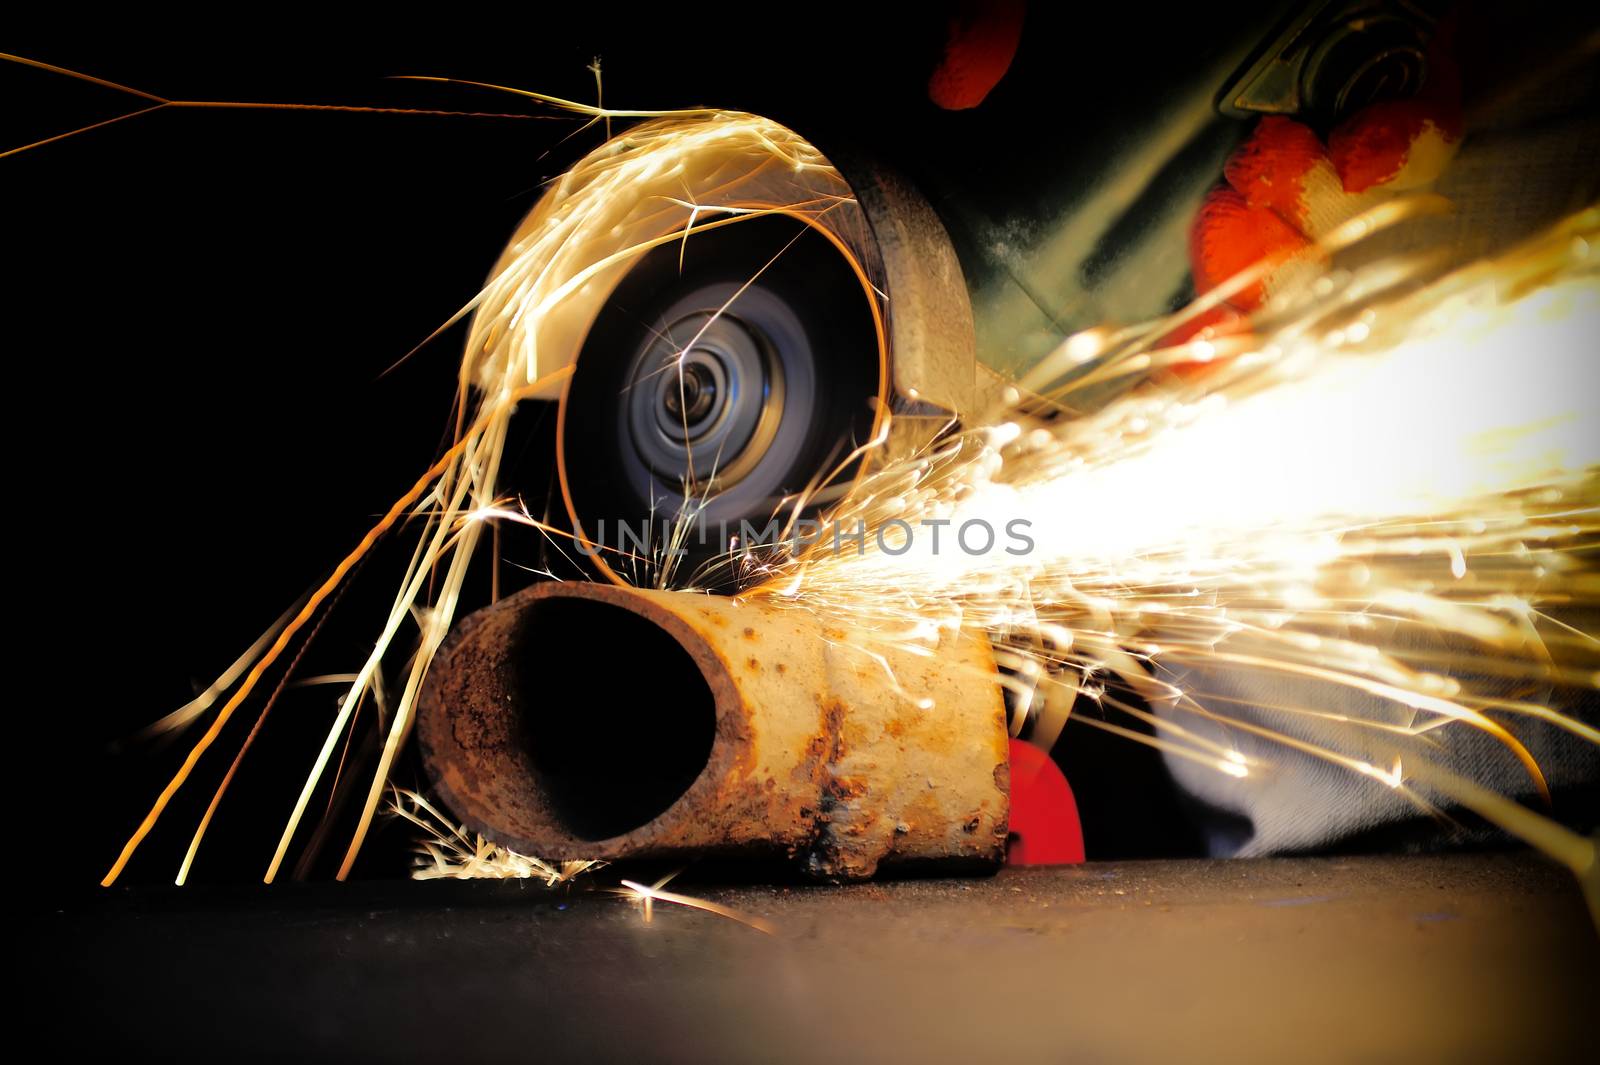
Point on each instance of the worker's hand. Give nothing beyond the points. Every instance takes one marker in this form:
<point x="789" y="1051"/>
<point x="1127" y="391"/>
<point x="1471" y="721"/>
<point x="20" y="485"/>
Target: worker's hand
<point x="1286" y="189"/>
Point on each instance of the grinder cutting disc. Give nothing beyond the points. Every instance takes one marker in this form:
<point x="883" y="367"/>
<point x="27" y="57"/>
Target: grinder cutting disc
<point x="724" y="376"/>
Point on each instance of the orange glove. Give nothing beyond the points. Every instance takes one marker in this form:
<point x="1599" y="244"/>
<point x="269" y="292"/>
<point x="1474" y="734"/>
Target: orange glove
<point x="1285" y="190"/>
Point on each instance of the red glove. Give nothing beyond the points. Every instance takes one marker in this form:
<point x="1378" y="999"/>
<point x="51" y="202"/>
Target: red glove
<point x="1285" y="189"/>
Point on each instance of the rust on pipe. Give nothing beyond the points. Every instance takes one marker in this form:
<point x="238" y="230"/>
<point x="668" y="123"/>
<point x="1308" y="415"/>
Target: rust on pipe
<point x="592" y="721"/>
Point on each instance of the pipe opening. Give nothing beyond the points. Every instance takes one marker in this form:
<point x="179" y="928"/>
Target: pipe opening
<point x="618" y="721"/>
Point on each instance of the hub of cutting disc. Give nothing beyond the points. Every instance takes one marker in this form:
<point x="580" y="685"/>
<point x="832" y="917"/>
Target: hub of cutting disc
<point x="722" y="385"/>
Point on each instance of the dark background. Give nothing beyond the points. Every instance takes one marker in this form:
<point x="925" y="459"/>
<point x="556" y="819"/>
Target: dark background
<point x="201" y="304"/>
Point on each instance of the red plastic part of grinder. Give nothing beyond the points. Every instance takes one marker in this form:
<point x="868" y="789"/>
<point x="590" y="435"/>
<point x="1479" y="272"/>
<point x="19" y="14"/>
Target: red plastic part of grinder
<point x="1045" y="829"/>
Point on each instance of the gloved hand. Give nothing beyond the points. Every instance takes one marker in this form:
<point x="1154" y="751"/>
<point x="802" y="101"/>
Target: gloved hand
<point x="1286" y="189"/>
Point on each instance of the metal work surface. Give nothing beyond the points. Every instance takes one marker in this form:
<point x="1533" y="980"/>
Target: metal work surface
<point x="1459" y="958"/>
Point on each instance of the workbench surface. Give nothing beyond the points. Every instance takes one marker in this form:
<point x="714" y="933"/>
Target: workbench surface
<point x="1463" y="958"/>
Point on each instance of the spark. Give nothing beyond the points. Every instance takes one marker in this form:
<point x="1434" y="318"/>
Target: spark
<point x="647" y="895"/>
<point x="445" y="850"/>
<point x="700" y="169"/>
<point x="153" y="103"/>
<point x="1386" y="489"/>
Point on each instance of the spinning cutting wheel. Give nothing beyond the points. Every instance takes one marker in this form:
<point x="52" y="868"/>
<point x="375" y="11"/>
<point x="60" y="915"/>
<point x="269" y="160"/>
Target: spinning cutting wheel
<point x="723" y="377"/>
<point x="740" y="315"/>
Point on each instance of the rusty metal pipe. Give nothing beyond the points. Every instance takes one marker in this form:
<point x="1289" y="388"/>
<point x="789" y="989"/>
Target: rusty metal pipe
<point x="590" y="721"/>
